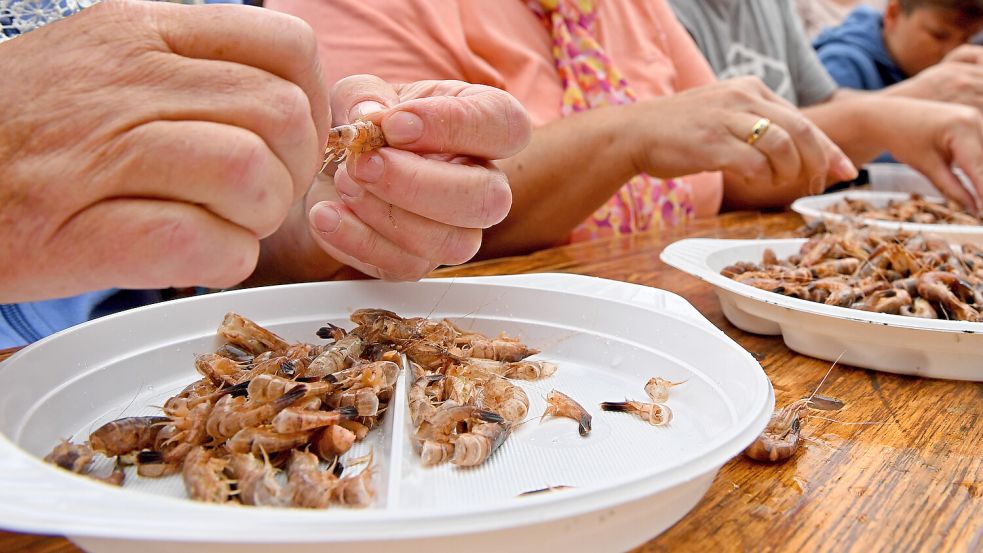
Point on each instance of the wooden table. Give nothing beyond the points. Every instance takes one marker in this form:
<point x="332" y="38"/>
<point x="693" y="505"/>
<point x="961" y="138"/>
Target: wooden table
<point x="900" y="469"/>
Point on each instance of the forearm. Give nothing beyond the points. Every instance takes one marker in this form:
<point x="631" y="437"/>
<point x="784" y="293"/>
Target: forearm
<point x="859" y="125"/>
<point x="571" y="166"/>
<point x="918" y="88"/>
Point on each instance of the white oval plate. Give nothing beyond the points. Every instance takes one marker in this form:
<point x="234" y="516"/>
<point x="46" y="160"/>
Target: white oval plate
<point x="889" y="343"/>
<point x="814" y="208"/>
<point x="631" y="481"/>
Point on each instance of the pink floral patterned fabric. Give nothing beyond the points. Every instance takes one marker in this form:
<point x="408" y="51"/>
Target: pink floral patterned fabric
<point x="591" y="80"/>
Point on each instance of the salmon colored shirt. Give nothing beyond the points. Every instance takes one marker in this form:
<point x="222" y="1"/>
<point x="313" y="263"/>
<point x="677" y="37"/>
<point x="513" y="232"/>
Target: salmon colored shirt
<point x="501" y="43"/>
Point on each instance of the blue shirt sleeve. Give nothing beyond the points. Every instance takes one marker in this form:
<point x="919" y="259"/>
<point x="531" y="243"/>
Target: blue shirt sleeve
<point x="850" y="69"/>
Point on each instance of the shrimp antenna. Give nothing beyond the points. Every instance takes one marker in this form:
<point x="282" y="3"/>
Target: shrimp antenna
<point x="821" y="382"/>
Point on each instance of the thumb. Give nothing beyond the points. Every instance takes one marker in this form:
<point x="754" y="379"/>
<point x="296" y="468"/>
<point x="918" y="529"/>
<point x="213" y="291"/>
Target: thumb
<point x="480" y="121"/>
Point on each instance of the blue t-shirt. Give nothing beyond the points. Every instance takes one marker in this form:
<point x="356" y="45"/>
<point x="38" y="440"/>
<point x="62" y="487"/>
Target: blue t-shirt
<point x="854" y="53"/>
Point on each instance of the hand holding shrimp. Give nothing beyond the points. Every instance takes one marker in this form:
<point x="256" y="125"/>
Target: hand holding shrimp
<point x="379" y="214"/>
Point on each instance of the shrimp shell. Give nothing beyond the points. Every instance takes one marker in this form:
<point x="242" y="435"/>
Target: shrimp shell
<point x="249" y="336"/>
<point x="365" y="401"/>
<point x="658" y="389"/>
<point x="351" y="140"/>
<point x="506" y="399"/>
<point x="654" y="413"/>
<point x="126" y="435"/>
<point x="474" y="448"/>
<point x="498" y="349"/>
<point x="72" y="457"/>
<point x="355" y="491"/>
<point x="559" y="404"/>
<point x="203" y="477"/>
<point x="307" y="485"/>
<point x="333" y="441"/>
<point x="264" y="439"/>
<point x="231" y="415"/>
<point x="434" y="453"/>
<point x="293" y="419"/>
<point x="780" y="438"/>
<point x="336" y="357"/>
<point x="256" y="481"/>
<point x="221" y="371"/>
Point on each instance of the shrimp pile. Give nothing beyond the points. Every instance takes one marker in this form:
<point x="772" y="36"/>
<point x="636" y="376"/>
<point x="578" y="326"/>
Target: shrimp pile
<point x="463" y="402"/>
<point x="269" y="421"/>
<point x="914" y="275"/>
<point x="914" y="210"/>
<point x="262" y="423"/>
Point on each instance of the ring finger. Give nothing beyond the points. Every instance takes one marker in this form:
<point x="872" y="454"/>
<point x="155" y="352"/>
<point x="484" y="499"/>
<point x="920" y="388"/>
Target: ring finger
<point x="776" y="145"/>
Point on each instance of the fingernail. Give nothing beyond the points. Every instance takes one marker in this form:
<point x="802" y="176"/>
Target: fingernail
<point x="346" y="186"/>
<point x="402" y="128"/>
<point x="369" y="167"/>
<point x="362" y="109"/>
<point x="326" y="218"/>
<point x="845" y="169"/>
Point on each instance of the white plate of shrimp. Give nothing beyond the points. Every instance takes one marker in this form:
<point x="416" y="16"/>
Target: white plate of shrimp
<point x="558" y="483"/>
<point x="898" y="344"/>
<point x="821" y="208"/>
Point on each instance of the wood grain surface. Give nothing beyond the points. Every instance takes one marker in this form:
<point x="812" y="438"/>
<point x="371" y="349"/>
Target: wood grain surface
<point x="900" y="468"/>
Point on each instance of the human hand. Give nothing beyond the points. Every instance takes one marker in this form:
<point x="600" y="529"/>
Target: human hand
<point x="967" y="53"/>
<point x="147" y="145"/>
<point x="400" y="211"/>
<point x="707" y="129"/>
<point x="958" y="79"/>
<point x="932" y="137"/>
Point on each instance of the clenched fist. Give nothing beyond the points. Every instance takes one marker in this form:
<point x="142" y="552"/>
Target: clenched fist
<point x="147" y="145"/>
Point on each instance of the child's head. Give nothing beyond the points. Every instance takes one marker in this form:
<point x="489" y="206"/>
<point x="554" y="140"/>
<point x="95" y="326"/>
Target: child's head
<point x="919" y="33"/>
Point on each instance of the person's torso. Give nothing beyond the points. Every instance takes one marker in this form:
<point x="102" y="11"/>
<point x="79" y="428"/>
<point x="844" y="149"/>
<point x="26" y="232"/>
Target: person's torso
<point x="743" y="37"/>
<point x="511" y="41"/>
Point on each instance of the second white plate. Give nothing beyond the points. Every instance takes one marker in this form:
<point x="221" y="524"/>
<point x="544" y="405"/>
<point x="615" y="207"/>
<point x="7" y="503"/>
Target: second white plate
<point x="815" y="208"/>
<point x="890" y="343"/>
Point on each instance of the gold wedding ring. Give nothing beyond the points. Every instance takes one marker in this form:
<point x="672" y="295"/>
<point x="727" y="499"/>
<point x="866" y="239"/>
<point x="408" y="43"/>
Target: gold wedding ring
<point x="758" y="130"/>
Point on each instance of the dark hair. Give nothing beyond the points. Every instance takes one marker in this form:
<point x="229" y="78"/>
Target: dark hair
<point x="966" y="11"/>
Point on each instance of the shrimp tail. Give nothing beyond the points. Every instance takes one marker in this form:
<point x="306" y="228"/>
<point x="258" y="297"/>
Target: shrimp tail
<point x="488" y="416"/>
<point x="150" y="457"/>
<point x="348" y="412"/>
<point x="238" y="390"/>
<point x="616" y="406"/>
<point x="287" y="399"/>
<point x="584" y="428"/>
<point x="331" y="332"/>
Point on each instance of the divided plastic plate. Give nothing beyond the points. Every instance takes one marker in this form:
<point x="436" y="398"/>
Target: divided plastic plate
<point x="630" y="480"/>
<point x="814" y="208"/>
<point x="889" y="343"/>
